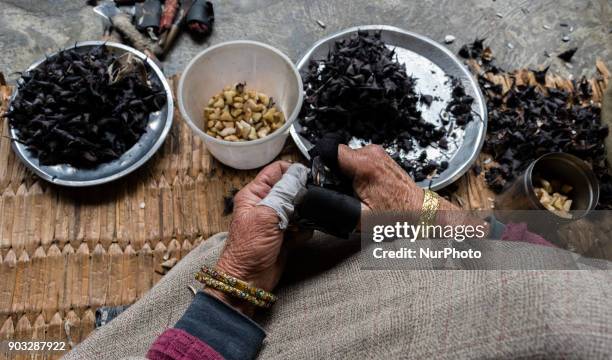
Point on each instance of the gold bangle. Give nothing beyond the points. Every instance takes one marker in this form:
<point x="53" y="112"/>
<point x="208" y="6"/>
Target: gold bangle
<point x="239" y="284"/>
<point x="218" y="285"/>
<point x="431" y="202"/>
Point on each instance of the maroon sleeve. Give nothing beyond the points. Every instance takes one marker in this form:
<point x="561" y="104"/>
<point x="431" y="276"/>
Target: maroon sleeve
<point x="519" y="232"/>
<point x="177" y="344"/>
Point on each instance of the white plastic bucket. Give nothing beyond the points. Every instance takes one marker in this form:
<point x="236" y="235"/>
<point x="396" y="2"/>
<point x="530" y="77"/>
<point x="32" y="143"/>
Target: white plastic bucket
<point x="264" y="69"/>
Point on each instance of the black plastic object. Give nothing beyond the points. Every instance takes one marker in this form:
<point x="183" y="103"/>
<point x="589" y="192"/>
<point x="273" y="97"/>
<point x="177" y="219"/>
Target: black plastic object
<point x="148" y="15"/>
<point x="329" y="211"/>
<point x="325" y="171"/>
<point x="327" y="149"/>
<point x="200" y="17"/>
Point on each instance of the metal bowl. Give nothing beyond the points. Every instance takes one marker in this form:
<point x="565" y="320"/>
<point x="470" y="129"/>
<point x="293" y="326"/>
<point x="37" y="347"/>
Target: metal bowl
<point x="431" y="64"/>
<point x="157" y="129"/>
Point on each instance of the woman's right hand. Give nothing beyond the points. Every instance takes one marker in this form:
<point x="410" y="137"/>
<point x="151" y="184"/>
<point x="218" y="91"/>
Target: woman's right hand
<point x="379" y="182"/>
<point x="382" y="185"/>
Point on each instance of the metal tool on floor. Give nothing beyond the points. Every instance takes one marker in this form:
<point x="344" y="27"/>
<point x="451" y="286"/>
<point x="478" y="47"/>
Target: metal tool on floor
<point x="170" y="36"/>
<point x="152" y="26"/>
<point x="122" y="22"/>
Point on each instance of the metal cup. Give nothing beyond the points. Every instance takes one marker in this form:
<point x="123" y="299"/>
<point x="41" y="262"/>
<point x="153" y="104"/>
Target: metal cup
<point x="521" y="195"/>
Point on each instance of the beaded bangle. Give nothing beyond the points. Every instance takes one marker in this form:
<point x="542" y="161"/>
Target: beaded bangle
<point x="216" y="284"/>
<point x="431" y="202"/>
<point x="235" y="287"/>
<point x="258" y="293"/>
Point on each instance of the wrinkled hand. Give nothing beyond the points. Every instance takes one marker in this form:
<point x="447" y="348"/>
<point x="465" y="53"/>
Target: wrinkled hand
<point x="378" y="180"/>
<point x="382" y="185"/>
<point x="253" y="251"/>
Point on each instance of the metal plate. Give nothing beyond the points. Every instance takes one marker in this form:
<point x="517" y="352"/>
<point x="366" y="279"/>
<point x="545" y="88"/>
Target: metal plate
<point x="157" y="129"/>
<point x="432" y="65"/>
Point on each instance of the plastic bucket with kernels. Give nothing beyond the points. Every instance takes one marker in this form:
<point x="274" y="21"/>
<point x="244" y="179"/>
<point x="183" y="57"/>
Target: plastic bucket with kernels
<point x="264" y="69"/>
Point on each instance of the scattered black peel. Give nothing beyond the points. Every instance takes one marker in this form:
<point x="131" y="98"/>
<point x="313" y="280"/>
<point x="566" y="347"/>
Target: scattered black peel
<point x="540" y="75"/>
<point x="228" y="202"/>
<point x="426" y="99"/>
<point x="496" y="178"/>
<point x="585" y="91"/>
<point x="73" y="110"/>
<point x="567" y="55"/>
<point x="473" y="50"/>
<point x="360" y="90"/>
<point x="527" y="122"/>
<point x="460" y="105"/>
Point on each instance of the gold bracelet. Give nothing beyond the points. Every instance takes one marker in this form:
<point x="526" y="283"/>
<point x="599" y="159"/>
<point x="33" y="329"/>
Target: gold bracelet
<point x="216" y="284"/>
<point x="431" y="202"/>
<point x="235" y="287"/>
<point x="239" y="284"/>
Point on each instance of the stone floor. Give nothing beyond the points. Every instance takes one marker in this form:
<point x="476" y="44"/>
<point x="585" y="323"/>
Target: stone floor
<point x="514" y="29"/>
<point x="95" y="250"/>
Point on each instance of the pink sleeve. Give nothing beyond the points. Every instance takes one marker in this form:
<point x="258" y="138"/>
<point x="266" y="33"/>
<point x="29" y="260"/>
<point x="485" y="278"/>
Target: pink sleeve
<point x="177" y="344"/>
<point x="519" y="232"/>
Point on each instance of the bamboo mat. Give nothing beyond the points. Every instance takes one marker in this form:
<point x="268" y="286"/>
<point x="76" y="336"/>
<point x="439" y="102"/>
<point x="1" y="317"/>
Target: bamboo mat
<point x="66" y="252"/>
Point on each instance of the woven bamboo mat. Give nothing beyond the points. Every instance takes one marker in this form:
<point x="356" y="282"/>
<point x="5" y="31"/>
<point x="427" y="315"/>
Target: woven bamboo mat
<point x="66" y="252"/>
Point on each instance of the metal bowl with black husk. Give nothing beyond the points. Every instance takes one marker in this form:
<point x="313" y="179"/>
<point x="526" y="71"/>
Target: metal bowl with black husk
<point x="435" y="70"/>
<point x="74" y="160"/>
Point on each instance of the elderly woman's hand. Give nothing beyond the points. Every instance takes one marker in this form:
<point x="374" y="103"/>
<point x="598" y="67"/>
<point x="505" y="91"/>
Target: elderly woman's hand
<point x="382" y="185"/>
<point x="253" y="251"/>
<point x="379" y="182"/>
